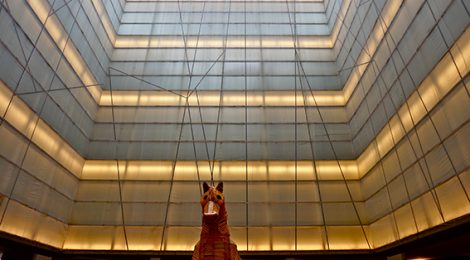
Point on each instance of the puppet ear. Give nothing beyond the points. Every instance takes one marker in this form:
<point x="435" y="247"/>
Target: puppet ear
<point x="220" y="187"/>
<point x="205" y="187"/>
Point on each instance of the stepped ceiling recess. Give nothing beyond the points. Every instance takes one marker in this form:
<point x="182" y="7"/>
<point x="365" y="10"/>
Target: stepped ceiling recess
<point x="335" y="124"/>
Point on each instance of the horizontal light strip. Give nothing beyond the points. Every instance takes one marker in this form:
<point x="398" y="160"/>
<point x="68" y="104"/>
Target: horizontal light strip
<point x="225" y="170"/>
<point x="230" y="98"/>
<point x="57" y="32"/>
<point x="23" y="119"/>
<point x="59" y="35"/>
<point x="440" y="81"/>
<point x="124" y="41"/>
<point x="370" y="47"/>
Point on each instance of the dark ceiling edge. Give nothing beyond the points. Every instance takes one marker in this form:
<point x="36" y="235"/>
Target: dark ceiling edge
<point x="451" y="228"/>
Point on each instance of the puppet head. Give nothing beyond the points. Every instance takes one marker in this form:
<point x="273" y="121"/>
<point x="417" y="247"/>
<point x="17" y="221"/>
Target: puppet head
<point x="212" y="201"/>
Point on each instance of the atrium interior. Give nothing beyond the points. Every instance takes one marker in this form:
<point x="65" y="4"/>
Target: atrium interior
<point x="340" y="128"/>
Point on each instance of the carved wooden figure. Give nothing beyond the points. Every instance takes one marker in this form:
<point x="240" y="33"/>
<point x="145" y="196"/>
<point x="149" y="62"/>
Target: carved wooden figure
<point x="215" y="240"/>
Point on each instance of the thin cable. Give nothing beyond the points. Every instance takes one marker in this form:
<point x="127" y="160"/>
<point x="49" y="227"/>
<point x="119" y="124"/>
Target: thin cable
<point x="335" y="156"/>
<point x="58" y="9"/>
<point x="348" y="31"/>
<point x="354" y="66"/>
<point x="376" y="131"/>
<point x="320" y="197"/>
<point x="57" y="89"/>
<point x="296" y="137"/>
<point x="191" y="70"/>
<point x="26" y="68"/>
<point x="222" y="54"/>
<point x="377" y="70"/>
<point x="382" y="168"/>
<point x="145" y="81"/>
<point x="399" y="160"/>
<point x="186" y="108"/>
<point x="296" y="68"/>
<point x="116" y="147"/>
<point x="173" y="167"/>
<point x="246" y="126"/>
<point x="220" y="96"/>
<point x="355" y="39"/>
<point x="430" y="118"/>
<point x="51" y="67"/>
<point x="34" y="44"/>
<point x="430" y="186"/>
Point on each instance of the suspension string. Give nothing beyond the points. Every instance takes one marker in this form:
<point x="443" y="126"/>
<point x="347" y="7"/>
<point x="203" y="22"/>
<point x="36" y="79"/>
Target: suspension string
<point x="246" y="127"/>
<point x="221" y="95"/>
<point x="173" y="167"/>
<point x="355" y="39"/>
<point x="27" y="69"/>
<point x="186" y="108"/>
<point x="299" y="62"/>
<point x="205" y="74"/>
<point x="296" y="68"/>
<point x="334" y="153"/>
<point x="4" y="5"/>
<point x="146" y="81"/>
<point x="431" y="187"/>
<point x="57" y="89"/>
<point x="388" y="125"/>
<point x="454" y="168"/>
<point x="348" y="30"/>
<point x="375" y="131"/>
<point x="399" y="160"/>
<point x="116" y="147"/>
<point x="191" y="70"/>
<point x="189" y="85"/>
<point x="60" y="7"/>
<point x="376" y="70"/>
<point x="310" y="138"/>
<point x="381" y="163"/>
<point x="194" y="90"/>
<point x="296" y="137"/>
<point x="415" y="153"/>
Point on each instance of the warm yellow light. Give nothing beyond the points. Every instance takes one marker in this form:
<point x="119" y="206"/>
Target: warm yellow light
<point x="347" y="237"/>
<point x="461" y="52"/>
<point x="100" y="169"/>
<point x="140" y="98"/>
<point x="49" y="141"/>
<point x="396" y="128"/>
<point x="228" y="170"/>
<point x="24" y="120"/>
<point x="5" y="97"/>
<point x="181" y="238"/>
<point x="59" y="35"/>
<point x="370" y="47"/>
<point x="21" y="117"/>
<point x="95" y="238"/>
<point x="367" y="159"/>
<point x="335" y="170"/>
<point x="230" y="98"/>
<point x="384" y="141"/>
<point x="340" y="17"/>
<point x="126" y="41"/>
<point x="106" y="22"/>
<point x="41" y="9"/>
